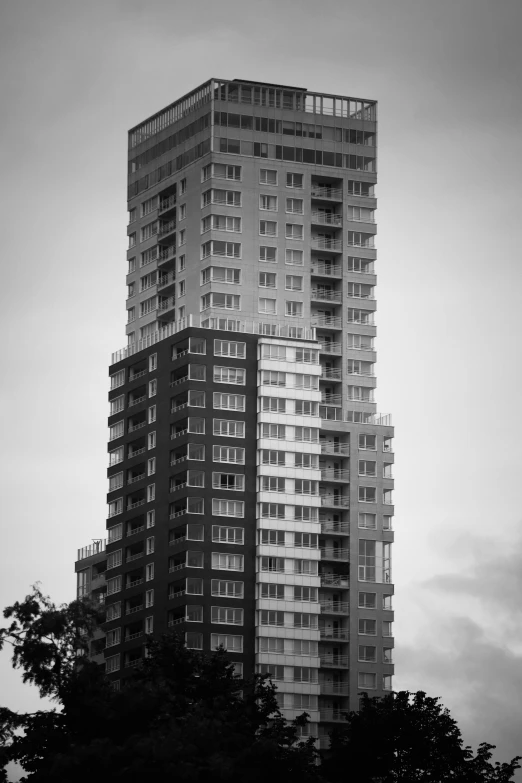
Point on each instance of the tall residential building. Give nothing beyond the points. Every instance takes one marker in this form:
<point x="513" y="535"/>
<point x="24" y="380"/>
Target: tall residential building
<point x="250" y="478"/>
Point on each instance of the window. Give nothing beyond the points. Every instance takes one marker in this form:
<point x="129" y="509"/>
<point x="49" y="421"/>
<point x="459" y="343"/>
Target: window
<point x="306" y="461"/>
<point x="118" y="379"/>
<point x="223" y="561"/>
<point x="275" y="405"/>
<point x="268" y="177"/>
<point x="277" y="431"/>
<point x="272" y="511"/>
<point x="226" y="615"/>
<point x="267" y="279"/>
<point x="151" y="518"/>
<point x="151" y="417"/>
<point x="228" y="508"/>
<point x="305" y="408"/>
<point x="267" y="306"/>
<point x="294" y="231"/>
<point x="193" y="640"/>
<point x="222" y="588"/>
<point x="114" y="585"/>
<point x="229" y="348"/>
<point x="294" y="309"/>
<point x="308" y="567"/>
<point x="268" y="228"/>
<point x="271" y="645"/>
<point x="113" y="611"/>
<point x="151" y="493"/>
<point x="295" y="206"/>
<point x="232" y="198"/>
<point x="114" y="559"/>
<point x="229" y="402"/>
<point x="294" y="180"/>
<point x="268" y="202"/>
<point x="217" y="274"/>
<point x="223" y="301"/>
<point x="235" y="375"/>
<point x="183" y="186"/>
<point x="273" y="537"/>
<point x="182" y="263"/>
<point x="221" y="223"/>
<point x="294" y="257"/>
<point x="228" y="535"/>
<point x="367" y="467"/>
<point x="151" y="466"/>
<point x="227" y="641"/>
<point x="367" y="627"/>
<point x="195" y="478"/>
<point x="112" y="664"/>
<point x="196" y="451"/>
<point x="273" y="484"/>
<point x="149" y="598"/>
<point x="131" y="314"/>
<point x="231" y="481"/>
<point x="368" y="521"/>
<point x="194" y="585"/>
<point x="302" y="381"/>
<point x="307" y="540"/>
<point x="307" y="594"/>
<point x="367" y="495"/>
<point x="268" y="254"/>
<point x="182" y="289"/>
<point x="367" y="560"/>
<point x="367" y="600"/>
<point x="273" y="378"/>
<point x="149" y="572"/>
<point x="360" y="316"/>
<point x="367" y="653"/>
<point x="117" y="405"/>
<point x="367" y="680"/>
<point x="195" y="425"/>
<point x="153" y="362"/>
<point x="387" y="628"/>
<point x="218" y="248"/>
<point x="115" y="507"/>
<point x="149" y="230"/>
<point x="387" y="521"/>
<point x="115" y="533"/>
<point x="149" y="545"/>
<point x="268" y="617"/>
<point x="229" y="428"/>
<point x="293" y="283"/>
<point x="230" y="454"/>
<point x="196" y="398"/>
<point x="274" y="591"/>
<point x="132" y="265"/>
<point x="132" y="240"/>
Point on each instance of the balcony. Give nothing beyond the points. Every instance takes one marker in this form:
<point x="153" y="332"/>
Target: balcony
<point x="334" y="661"/>
<point x="167" y="205"/>
<point x="327" y="245"/>
<point x="165" y="230"/>
<point x="138" y="426"/>
<point x="332" y="447"/>
<point x="135" y="453"/>
<point x="165" y="309"/>
<point x="335" y="474"/>
<point x="327" y="194"/>
<point x="332" y="716"/>
<point x="331" y="374"/>
<point x="167" y="257"/>
<point x="331" y="399"/>
<point x="327" y="219"/>
<point x="334" y="607"/>
<point x="133" y="479"/>
<point x="320" y="269"/>
<point x="134" y="609"/>
<point x="336" y="528"/>
<point x="326" y="295"/>
<point x="331" y="348"/>
<point x="335" y="553"/>
<point x="334" y="634"/>
<point x="334" y="501"/>
<point x="335" y="580"/>
<point x="166" y="281"/>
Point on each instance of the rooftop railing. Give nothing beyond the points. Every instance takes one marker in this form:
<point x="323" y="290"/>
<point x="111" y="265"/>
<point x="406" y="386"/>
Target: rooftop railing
<point x="96" y="548"/>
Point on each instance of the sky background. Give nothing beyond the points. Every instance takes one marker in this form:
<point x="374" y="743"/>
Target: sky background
<point x="447" y="74"/>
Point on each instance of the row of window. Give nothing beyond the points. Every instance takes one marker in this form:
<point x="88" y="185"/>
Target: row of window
<point x="295" y="154"/>
<point x="289" y="128"/>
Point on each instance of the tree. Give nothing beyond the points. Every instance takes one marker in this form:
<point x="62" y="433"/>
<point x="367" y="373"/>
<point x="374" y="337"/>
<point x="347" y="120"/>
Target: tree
<point x="182" y="716"/>
<point x="404" y="738"/>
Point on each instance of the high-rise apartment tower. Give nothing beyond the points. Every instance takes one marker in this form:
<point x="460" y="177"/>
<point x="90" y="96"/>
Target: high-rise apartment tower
<point x="250" y="478"/>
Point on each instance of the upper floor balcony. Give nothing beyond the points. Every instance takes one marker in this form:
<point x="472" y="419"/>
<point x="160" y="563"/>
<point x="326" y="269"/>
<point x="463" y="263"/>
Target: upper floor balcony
<point x="335" y="474"/>
<point x="331" y="373"/>
<point x="334" y="447"/>
<point x="167" y="282"/>
<point x="167" y="205"/>
<point x="334" y="607"/>
<point x="327" y="321"/>
<point x="327" y="193"/>
<point x="323" y="294"/>
<point x="166" y="229"/>
<point x="325" y="269"/>
<point x="327" y="244"/>
<point x="326" y="218"/>
<point x="335" y="528"/>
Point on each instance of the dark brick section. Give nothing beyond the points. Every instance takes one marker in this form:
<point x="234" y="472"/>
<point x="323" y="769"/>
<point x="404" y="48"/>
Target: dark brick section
<point x="166" y="502"/>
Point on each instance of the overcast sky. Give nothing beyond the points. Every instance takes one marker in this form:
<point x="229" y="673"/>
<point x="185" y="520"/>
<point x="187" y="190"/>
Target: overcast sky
<point x="447" y="74"/>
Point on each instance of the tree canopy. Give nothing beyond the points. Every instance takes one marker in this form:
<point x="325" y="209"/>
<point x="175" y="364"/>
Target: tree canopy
<point x="185" y="716"/>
